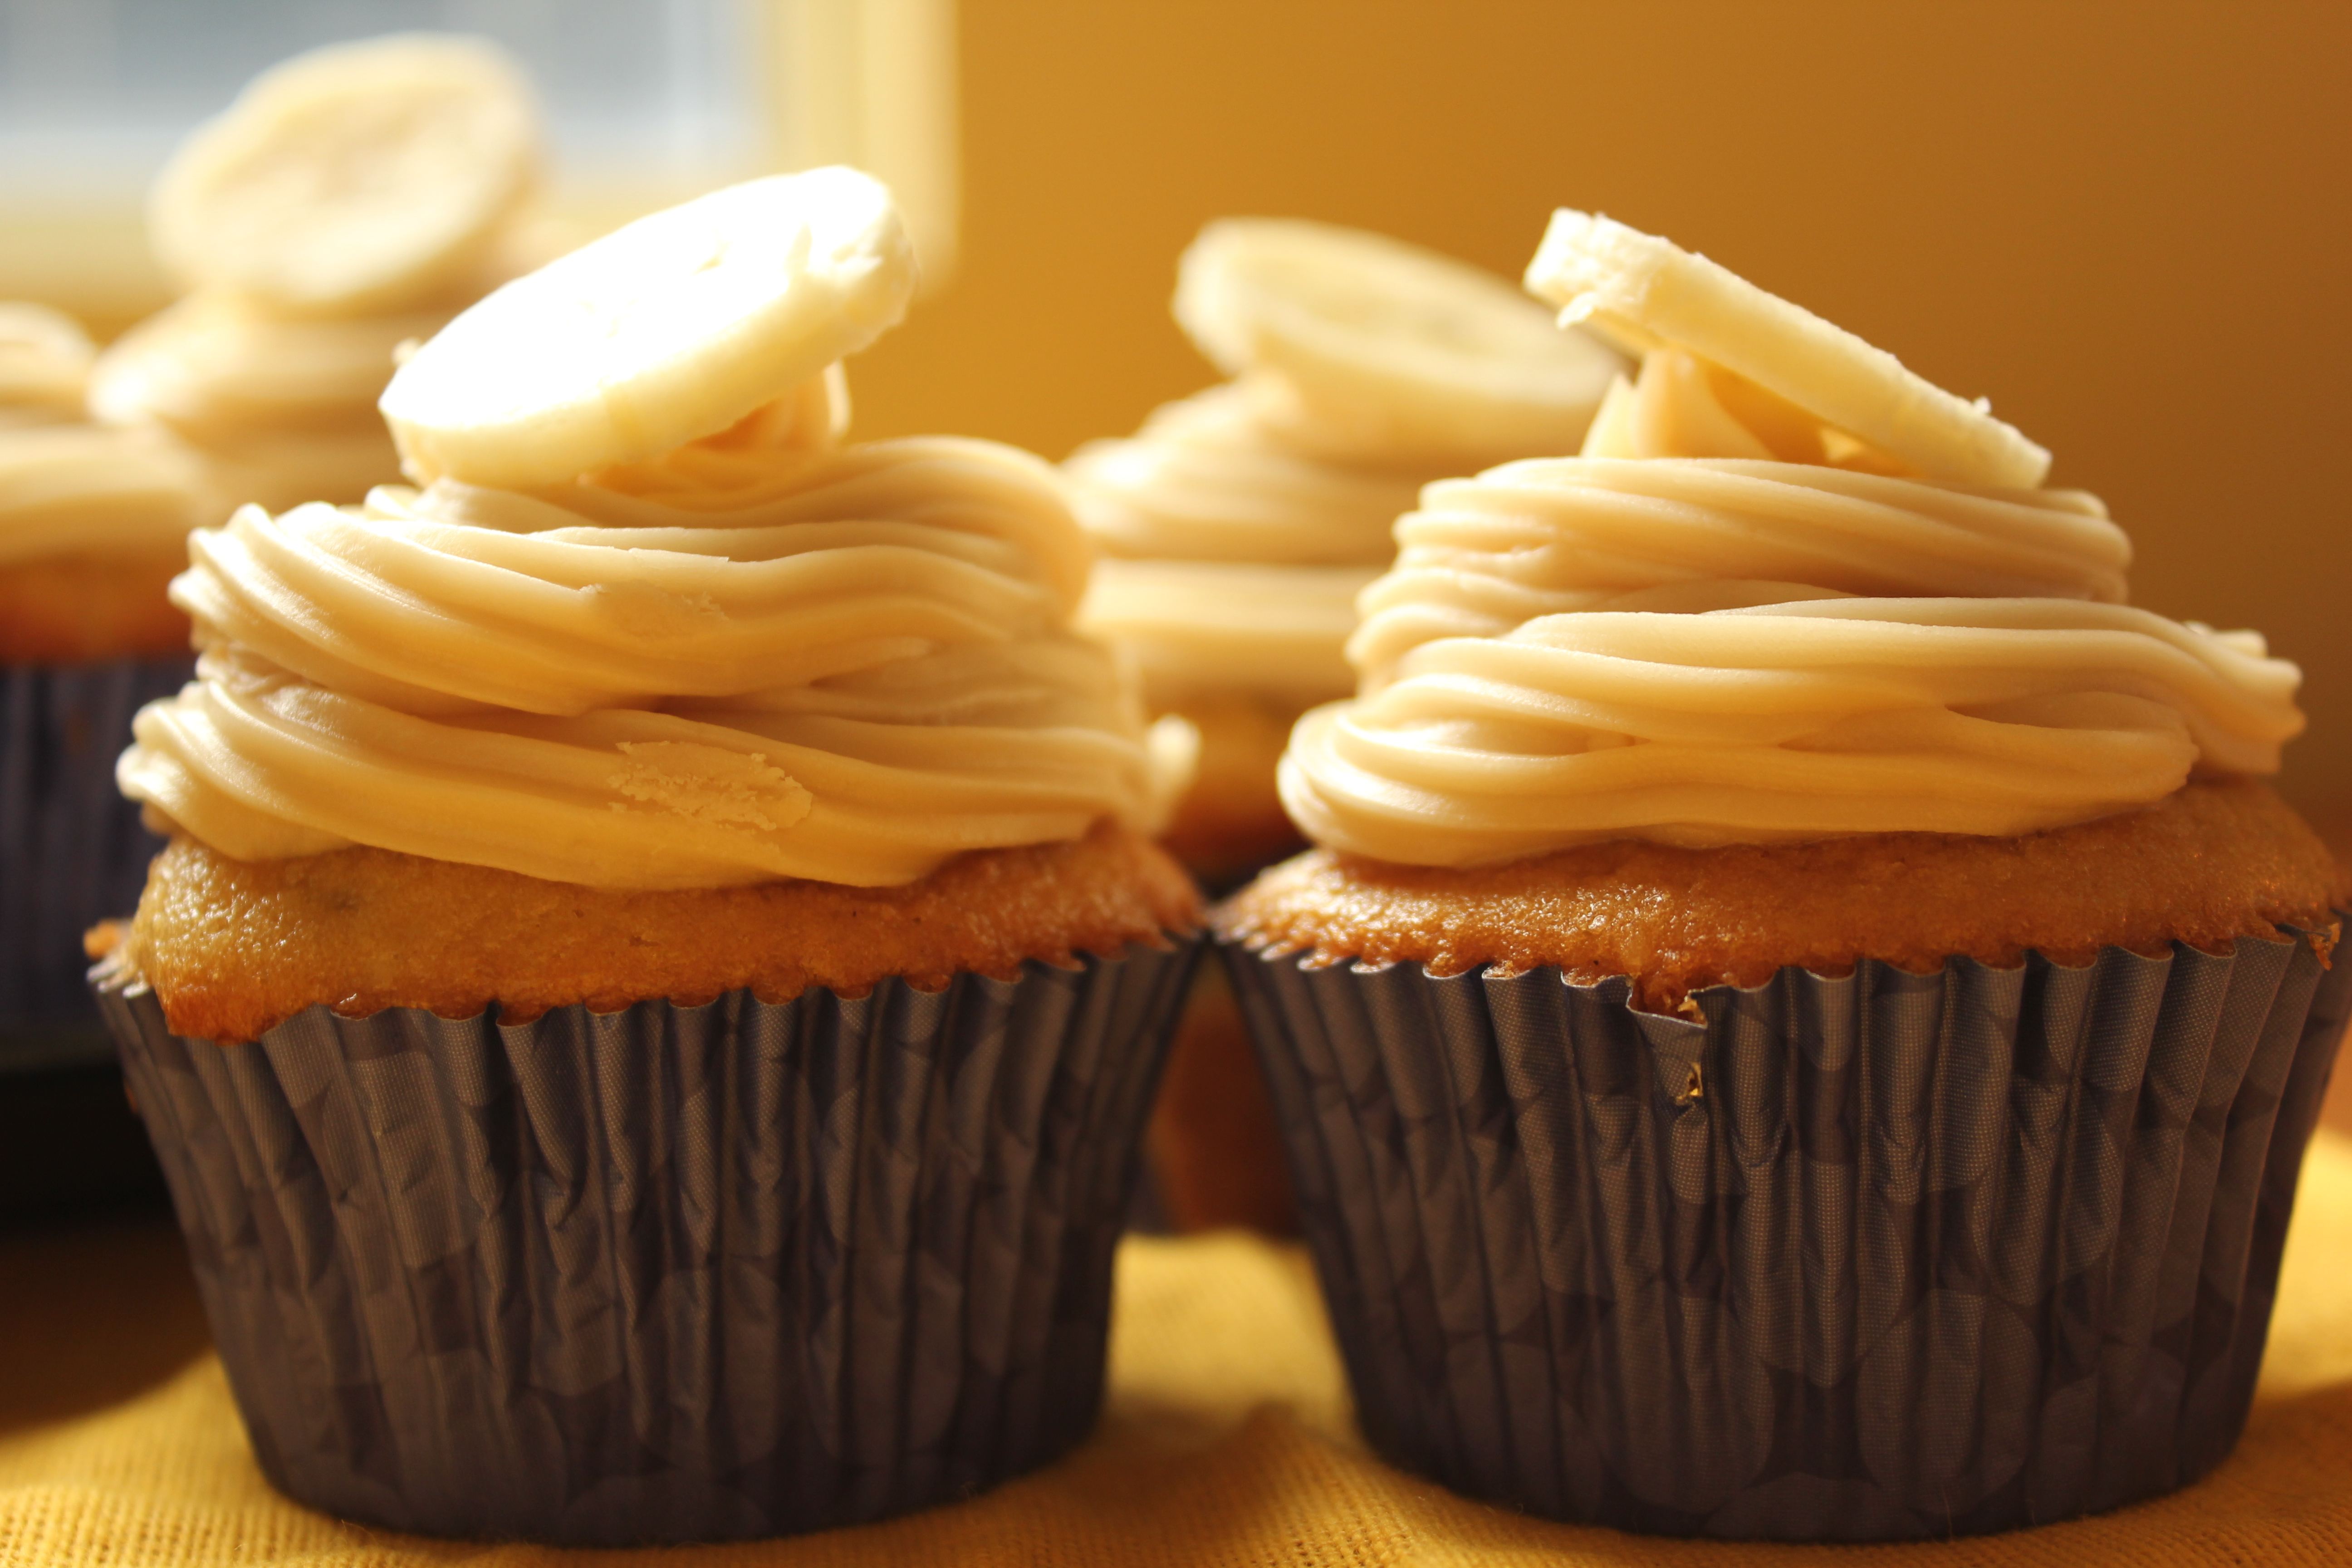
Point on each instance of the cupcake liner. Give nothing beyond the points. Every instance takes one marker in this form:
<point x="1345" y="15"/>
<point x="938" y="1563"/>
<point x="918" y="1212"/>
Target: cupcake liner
<point x="72" y="852"/>
<point x="671" y="1273"/>
<point x="1857" y="1258"/>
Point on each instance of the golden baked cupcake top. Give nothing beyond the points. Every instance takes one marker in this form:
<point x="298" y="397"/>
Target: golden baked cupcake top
<point x="645" y="623"/>
<point x="1789" y="590"/>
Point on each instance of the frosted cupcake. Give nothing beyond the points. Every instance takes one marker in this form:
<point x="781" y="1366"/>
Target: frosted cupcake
<point x="1238" y="525"/>
<point x="1801" y="1022"/>
<point x="677" y="901"/>
<point x="350" y="199"/>
<point x="1237" y="528"/>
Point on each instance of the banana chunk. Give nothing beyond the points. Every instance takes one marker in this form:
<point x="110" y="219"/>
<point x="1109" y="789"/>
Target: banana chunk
<point x="1363" y="348"/>
<point x="359" y="176"/>
<point x="1646" y="292"/>
<point x="671" y="329"/>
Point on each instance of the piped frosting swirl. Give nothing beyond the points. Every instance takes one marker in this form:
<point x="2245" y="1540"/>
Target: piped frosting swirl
<point x="757" y="657"/>
<point x="1727" y="623"/>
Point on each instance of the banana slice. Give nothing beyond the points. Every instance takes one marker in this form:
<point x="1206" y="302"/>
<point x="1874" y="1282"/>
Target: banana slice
<point x="1646" y="292"/>
<point x="45" y="359"/>
<point x="1363" y="348"/>
<point x="671" y="329"/>
<point x="359" y="176"/>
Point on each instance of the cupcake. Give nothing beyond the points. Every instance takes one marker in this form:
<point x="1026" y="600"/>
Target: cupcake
<point x="1238" y="525"/>
<point x="648" y="1008"/>
<point x="92" y="525"/>
<point x="1801" y="1021"/>
<point x="351" y="199"/>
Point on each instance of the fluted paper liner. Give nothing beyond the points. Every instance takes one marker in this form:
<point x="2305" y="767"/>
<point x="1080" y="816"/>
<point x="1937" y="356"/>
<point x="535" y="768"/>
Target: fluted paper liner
<point x="72" y="852"/>
<point x="1866" y="1257"/>
<point x="668" y="1274"/>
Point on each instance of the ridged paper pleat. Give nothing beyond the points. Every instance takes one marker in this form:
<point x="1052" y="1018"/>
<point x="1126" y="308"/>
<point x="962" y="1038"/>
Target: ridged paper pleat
<point x="72" y="852"/>
<point x="1881" y="1256"/>
<point x="668" y="1274"/>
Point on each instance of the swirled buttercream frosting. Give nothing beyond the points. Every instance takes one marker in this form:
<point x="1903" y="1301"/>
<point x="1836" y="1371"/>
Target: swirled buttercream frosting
<point x="1726" y="623"/>
<point x="1230" y="563"/>
<point x="275" y="411"/>
<point x="760" y="656"/>
<point x="45" y="359"/>
<point x="86" y="490"/>
<point x="1234" y="522"/>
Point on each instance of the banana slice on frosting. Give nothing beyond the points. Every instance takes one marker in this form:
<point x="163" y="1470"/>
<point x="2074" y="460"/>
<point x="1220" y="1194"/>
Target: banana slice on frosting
<point x="1647" y="293"/>
<point x="357" y="177"/>
<point x="674" y="327"/>
<point x="1366" y="348"/>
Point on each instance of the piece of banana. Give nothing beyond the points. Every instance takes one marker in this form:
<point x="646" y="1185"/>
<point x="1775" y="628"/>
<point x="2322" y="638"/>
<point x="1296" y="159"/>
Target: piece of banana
<point x="1645" y="292"/>
<point x="359" y="176"/>
<point x="1363" y="348"/>
<point x="673" y="327"/>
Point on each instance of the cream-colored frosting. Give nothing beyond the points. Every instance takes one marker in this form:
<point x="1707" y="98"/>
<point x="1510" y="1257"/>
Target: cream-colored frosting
<point x="756" y="657"/>
<point x="69" y="488"/>
<point x="1201" y="481"/>
<point x="1236" y="521"/>
<point x="84" y="489"/>
<point x="1232" y="559"/>
<point x="1197" y="629"/>
<point x="45" y="359"/>
<point x="279" y="410"/>
<point x="1682" y="636"/>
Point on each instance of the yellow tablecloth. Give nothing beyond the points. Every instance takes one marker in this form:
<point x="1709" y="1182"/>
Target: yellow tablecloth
<point x="1225" y="1441"/>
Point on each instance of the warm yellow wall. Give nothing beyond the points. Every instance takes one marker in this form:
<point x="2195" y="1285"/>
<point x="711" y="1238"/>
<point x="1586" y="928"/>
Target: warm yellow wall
<point x="2125" y="223"/>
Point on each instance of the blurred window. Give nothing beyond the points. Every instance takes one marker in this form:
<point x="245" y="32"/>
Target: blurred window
<point x="647" y="101"/>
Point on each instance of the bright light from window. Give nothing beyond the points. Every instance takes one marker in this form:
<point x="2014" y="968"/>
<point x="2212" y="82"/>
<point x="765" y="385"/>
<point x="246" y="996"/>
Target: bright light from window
<point x="637" y="93"/>
<point x="647" y="101"/>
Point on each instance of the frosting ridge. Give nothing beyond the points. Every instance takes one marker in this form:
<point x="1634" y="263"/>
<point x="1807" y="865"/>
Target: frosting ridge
<point x="1684" y="636"/>
<point x="84" y="489"/>
<point x="760" y="657"/>
<point x="276" y="410"/>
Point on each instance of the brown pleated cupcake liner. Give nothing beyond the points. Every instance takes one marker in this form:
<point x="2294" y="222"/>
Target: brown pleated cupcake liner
<point x="1868" y="1257"/>
<point x="72" y="852"/>
<point x="671" y="1273"/>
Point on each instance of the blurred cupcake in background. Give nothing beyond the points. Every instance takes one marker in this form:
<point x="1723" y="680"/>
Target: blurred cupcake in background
<point x="676" y="903"/>
<point x="93" y="524"/>
<point x="1237" y="528"/>
<point x="351" y="199"/>
<point x="1801" y="1021"/>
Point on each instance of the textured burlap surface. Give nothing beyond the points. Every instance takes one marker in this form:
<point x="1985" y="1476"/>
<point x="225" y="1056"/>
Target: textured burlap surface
<point x="1225" y="1441"/>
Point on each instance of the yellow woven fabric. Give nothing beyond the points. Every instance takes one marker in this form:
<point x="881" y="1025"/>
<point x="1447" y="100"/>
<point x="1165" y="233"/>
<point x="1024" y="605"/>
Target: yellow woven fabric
<point x="1225" y="1442"/>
